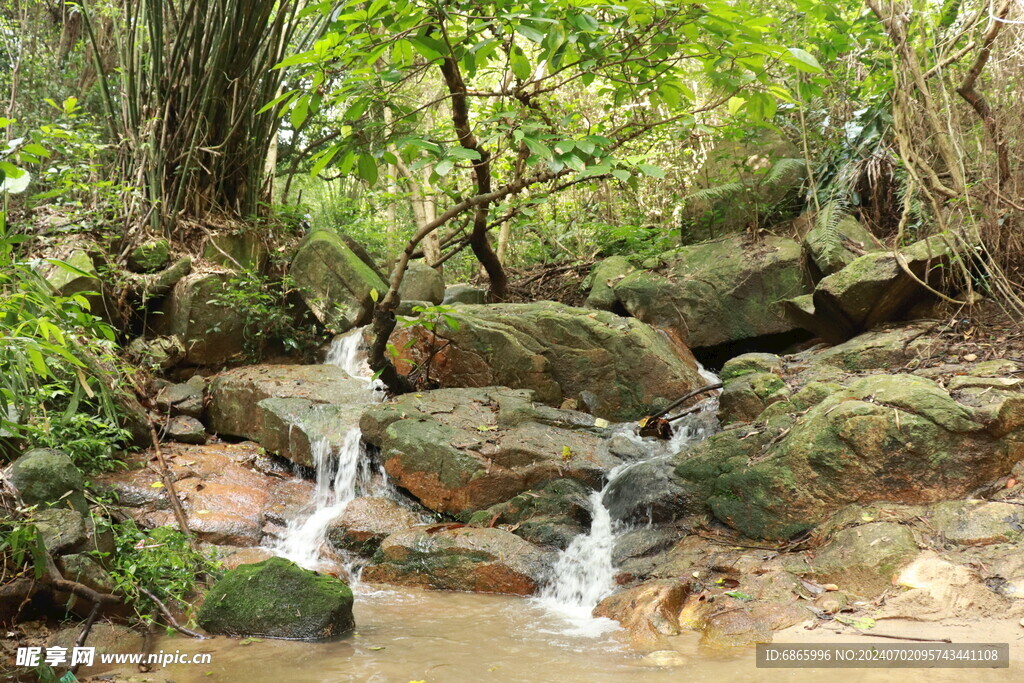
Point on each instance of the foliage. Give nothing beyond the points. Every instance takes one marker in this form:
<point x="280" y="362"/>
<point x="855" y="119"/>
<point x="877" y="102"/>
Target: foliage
<point x="160" y="560"/>
<point x="78" y="429"/>
<point x="21" y="547"/>
<point x="185" y="99"/>
<point x="267" y="314"/>
<point x="49" y="345"/>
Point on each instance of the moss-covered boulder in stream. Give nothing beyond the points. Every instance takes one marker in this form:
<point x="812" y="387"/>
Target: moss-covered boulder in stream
<point x="833" y="246"/>
<point x="277" y="599"/>
<point x="334" y="282"/>
<point x="552" y="515"/>
<point x="619" y="368"/>
<point x="727" y="290"/>
<point x="460" y="558"/>
<point x="898" y="438"/>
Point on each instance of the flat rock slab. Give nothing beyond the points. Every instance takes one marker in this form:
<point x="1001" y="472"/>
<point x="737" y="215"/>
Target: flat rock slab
<point x="225" y="501"/>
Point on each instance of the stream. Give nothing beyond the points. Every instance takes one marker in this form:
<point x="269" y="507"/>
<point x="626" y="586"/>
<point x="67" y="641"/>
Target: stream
<point x="405" y="634"/>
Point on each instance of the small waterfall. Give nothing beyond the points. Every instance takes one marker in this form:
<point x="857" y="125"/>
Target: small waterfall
<point x="584" y="573"/>
<point x="343" y="473"/>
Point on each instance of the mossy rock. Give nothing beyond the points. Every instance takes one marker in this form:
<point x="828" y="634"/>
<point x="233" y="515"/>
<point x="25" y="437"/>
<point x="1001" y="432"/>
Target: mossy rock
<point x="619" y="368"/>
<point x="211" y="331"/>
<point x="897" y="438"/>
<point x="335" y="283"/>
<point x="602" y="281"/>
<point x="744" y="398"/>
<point x="422" y="283"/>
<point x="728" y="290"/>
<point x="45" y="477"/>
<point x="863" y="559"/>
<point x="150" y="257"/>
<point x="832" y="249"/>
<point x="277" y="599"/>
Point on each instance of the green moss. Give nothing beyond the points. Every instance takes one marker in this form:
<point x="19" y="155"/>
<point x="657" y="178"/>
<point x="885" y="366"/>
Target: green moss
<point x="277" y="599"/>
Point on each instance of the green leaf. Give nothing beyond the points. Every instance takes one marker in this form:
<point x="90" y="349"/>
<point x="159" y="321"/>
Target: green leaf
<point x="367" y="168"/>
<point x="299" y="112"/>
<point x="520" y="65"/>
<point x="325" y="158"/>
<point x="735" y="104"/>
<point x="622" y="175"/>
<point x="464" y="153"/>
<point x="804" y="61"/>
<point x="652" y="171"/>
<point x="530" y="33"/>
<point x="537" y="147"/>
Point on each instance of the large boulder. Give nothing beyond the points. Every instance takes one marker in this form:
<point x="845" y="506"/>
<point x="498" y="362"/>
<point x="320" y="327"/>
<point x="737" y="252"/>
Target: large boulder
<point x="286" y="408"/>
<point x="334" y="282"/>
<point x="277" y="599"/>
<point x="211" y="330"/>
<point x="723" y="291"/>
<point x="46" y="477"/>
<point x="446" y="557"/>
<point x="648" y="611"/>
<point x="422" y="283"/>
<point x="899" y="438"/>
<point x="876" y="288"/>
<point x="463" y="293"/>
<point x="619" y="368"/>
<point x="74" y="272"/>
<point x="464" y="450"/>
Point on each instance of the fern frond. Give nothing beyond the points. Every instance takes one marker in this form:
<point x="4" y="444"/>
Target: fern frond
<point x="717" y="192"/>
<point x="782" y="168"/>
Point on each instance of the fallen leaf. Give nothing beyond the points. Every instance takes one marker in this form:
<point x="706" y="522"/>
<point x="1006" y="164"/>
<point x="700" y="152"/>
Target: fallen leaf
<point x="156" y="485"/>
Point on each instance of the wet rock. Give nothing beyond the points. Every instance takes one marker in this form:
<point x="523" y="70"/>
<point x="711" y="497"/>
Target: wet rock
<point x="212" y="333"/>
<point x="182" y="399"/>
<point x="603" y="279"/>
<point x="61" y="529"/>
<point x="721" y="291"/>
<point x="832" y="248"/>
<point x="648" y="611"/>
<point x="159" y="353"/>
<point x="463" y="450"/>
<point x="107" y="638"/>
<point x="422" y="283"/>
<point x="734" y="628"/>
<point x="619" y="368"/>
<point x="898" y="438"/>
<point x="225" y="502"/>
<point x="232" y="557"/>
<point x="45" y="477"/>
<point x="149" y="257"/>
<point x="286" y="408"/>
<point x="277" y="599"/>
<point x="978" y="522"/>
<point x="649" y="492"/>
<point x="366" y="522"/>
<point x="461" y="558"/>
<point x="940" y="590"/>
<point x="750" y="363"/>
<point x="832" y="602"/>
<point x="552" y="515"/>
<point x="334" y="282"/>
<point x="643" y="542"/>
<point x="874" y="288"/>
<point x="863" y="559"/>
<point x="745" y="397"/>
<point x="464" y="294"/>
<point x="241" y="251"/>
<point x="185" y="429"/>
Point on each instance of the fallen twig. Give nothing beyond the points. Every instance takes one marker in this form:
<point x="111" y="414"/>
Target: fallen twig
<point x="171" y="621"/>
<point x="680" y="401"/>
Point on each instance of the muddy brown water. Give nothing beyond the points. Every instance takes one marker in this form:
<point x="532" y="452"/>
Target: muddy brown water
<point x="409" y="635"/>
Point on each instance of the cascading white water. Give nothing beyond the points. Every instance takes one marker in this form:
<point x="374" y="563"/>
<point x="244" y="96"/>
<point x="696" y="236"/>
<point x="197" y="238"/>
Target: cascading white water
<point x="342" y="474"/>
<point x="584" y="573"/>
